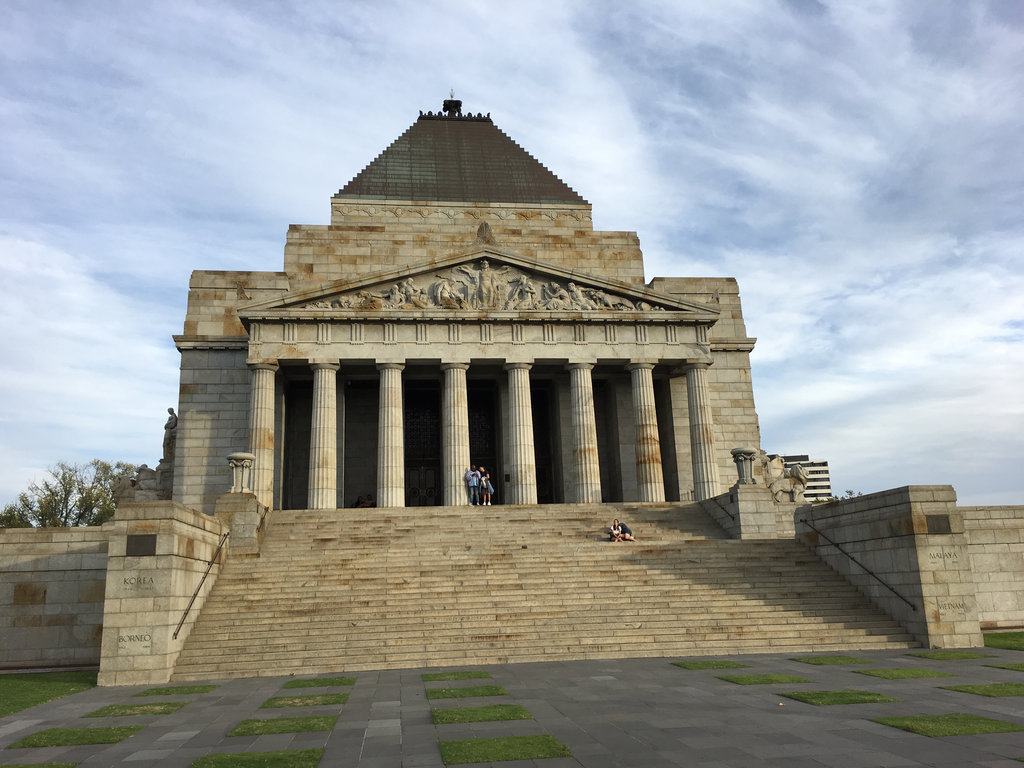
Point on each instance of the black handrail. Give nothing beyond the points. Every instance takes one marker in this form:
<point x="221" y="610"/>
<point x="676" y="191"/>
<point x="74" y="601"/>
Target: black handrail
<point x="864" y="567"/>
<point x="202" y="581"/>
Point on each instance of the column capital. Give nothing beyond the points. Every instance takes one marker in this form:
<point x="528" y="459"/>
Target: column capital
<point x="695" y="364"/>
<point x="579" y="366"/>
<point x="518" y="366"/>
<point x="262" y="365"/>
<point x="637" y="365"/>
<point x="323" y="365"/>
<point x="454" y="366"/>
<point x="390" y="366"/>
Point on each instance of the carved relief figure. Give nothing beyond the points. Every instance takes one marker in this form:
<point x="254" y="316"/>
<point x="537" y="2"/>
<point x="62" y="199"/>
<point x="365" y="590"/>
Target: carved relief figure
<point x="578" y="299"/>
<point x="522" y="295"/>
<point x="554" y="296"/>
<point x="485" y="293"/>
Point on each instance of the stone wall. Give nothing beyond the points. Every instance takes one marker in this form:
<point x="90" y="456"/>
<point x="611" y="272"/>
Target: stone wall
<point x="995" y="541"/>
<point x="913" y="539"/>
<point x="51" y="588"/>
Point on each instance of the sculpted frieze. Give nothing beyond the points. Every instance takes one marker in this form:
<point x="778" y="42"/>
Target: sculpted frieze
<point x="481" y="287"/>
<point x="436" y="212"/>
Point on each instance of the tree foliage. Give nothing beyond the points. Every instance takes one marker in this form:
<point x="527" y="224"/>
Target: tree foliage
<point x="69" y="495"/>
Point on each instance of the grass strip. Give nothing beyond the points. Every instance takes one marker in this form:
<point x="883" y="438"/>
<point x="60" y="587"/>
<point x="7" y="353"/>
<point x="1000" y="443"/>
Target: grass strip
<point x="289" y="758"/>
<point x="304" y="701"/>
<point x="957" y="724"/>
<point x="480" y="714"/>
<point x="764" y="679"/>
<point x="467" y="692"/>
<point x="823" y="661"/>
<point x="463" y="674"/>
<point x="71" y="737"/>
<point x="320" y="682"/>
<point x="711" y="664"/>
<point x="284" y="725"/>
<point x="504" y="748"/>
<point x="134" y="710"/>
<point x="991" y="689"/>
<point x="903" y="673"/>
<point x="950" y="655"/>
<point x="21" y="691"/>
<point x="177" y="690"/>
<point x="1016" y="667"/>
<point x="827" y="698"/>
<point x="1010" y="641"/>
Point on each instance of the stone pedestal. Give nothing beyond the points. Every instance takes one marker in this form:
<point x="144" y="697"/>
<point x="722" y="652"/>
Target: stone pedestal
<point x="158" y="553"/>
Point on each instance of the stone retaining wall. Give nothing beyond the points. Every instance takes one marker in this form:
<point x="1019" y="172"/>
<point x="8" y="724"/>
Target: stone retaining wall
<point x="995" y="542"/>
<point x="52" y="582"/>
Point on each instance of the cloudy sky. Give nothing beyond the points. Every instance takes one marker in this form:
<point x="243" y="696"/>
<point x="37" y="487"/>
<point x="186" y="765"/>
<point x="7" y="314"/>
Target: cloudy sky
<point x="857" y="166"/>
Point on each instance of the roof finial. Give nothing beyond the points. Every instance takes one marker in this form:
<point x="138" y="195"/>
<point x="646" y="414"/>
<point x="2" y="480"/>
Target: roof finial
<point x="452" y="107"/>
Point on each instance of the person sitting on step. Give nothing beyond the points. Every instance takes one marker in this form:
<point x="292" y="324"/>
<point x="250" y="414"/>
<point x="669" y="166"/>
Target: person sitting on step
<point x="620" y="532"/>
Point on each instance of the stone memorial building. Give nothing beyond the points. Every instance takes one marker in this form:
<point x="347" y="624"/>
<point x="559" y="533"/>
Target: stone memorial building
<point x="461" y="309"/>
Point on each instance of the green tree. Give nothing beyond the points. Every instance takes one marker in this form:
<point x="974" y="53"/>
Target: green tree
<point x="69" y="495"/>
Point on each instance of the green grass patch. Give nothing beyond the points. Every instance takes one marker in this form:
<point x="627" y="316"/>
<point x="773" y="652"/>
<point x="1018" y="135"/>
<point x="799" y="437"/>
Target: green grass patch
<point x="711" y="664"/>
<point x="950" y="655"/>
<point x="505" y="748"/>
<point x="957" y="724"/>
<point x="1016" y="667"/>
<point x="21" y="691"/>
<point x="480" y="714"/>
<point x="463" y="674"/>
<point x="284" y="725"/>
<point x="825" y="698"/>
<point x="823" y="661"/>
<point x="304" y="701"/>
<point x="903" y="673"/>
<point x="320" y="682"/>
<point x="133" y="710"/>
<point x="1010" y="641"/>
<point x="294" y="758"/>
<point x="177" y="690"/>
<point x="70" y="737"/>
<point x="992" y="689"/>
<point x="467" y="692"/>
<point x="765" y="679"/>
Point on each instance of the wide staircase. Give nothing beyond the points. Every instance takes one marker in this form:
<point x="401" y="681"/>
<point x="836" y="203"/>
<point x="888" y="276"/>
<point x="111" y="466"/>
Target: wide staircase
<point x="357" y="589"/>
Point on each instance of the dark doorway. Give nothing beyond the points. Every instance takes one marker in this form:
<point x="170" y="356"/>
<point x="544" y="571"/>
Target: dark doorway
<point x="422" y="407"/>
<point x="482" y="398"/>
<point x="298" y="419"/>
<point x="543" y="438"/>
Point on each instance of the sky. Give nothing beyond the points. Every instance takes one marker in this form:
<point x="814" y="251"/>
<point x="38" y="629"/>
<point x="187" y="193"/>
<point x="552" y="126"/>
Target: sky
<point x="856" y="166"/>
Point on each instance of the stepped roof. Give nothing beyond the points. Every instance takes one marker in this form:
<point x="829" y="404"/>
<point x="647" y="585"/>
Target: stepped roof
<point x="458" y="158"/>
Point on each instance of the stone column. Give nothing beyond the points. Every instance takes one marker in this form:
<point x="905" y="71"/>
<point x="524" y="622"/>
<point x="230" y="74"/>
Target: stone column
<point x="584" y="434"/>
<point x="261" y="430"/>
<point x="323" y="440"/>
<point x="454" y="434"/>
<point x="650" y="480"/>
<point x="390" y="438"/>
<point x="702" y="432"/>
<point x="523" y="465"/>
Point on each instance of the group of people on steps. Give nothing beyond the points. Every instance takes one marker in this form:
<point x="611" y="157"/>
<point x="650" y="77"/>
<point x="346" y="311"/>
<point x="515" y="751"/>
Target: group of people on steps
<point x="479" y="486"/>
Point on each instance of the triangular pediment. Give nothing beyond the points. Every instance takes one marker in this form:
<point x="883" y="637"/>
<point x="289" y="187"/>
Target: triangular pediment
<point x="484" y="278"/>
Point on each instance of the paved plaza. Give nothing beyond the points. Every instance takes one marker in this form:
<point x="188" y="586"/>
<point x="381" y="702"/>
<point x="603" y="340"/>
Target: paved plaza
<point x="646" y="713"/>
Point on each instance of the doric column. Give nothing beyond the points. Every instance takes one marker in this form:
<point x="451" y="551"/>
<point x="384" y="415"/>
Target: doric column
<point x="454" y="434"/>
<point x="649" y="477"/>
<point x="523" y="465"/>
<point x="390" y="438"/>
<point x="702" y="438"/>
<point x="323" y="439"/>
<point x="261" y="430"/>
<point x="584" y="434"/>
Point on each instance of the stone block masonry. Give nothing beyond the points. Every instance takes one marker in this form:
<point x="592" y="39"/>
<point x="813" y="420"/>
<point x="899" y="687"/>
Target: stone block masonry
<point x="913" y="539"/>
<point x="995" y="543"/>
<point x="51" y="590"/>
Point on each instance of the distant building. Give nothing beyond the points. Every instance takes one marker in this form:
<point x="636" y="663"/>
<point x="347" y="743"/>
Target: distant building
<point x="819" y="484"/>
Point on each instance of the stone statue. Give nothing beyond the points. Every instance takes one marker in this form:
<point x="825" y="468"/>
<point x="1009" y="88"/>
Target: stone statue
<point x="123" y="489"/>
<point x="579" y="300"/>
<point x="554" y="296"/>
<point x="170" y="434"/>
<point x="485" y="293"/>
<point x="523" y="295"/>
<point x="147" y="484"/>
<point x="783" y="481"/>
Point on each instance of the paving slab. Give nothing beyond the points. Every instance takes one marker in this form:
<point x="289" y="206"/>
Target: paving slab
<point x="611" y="714"/>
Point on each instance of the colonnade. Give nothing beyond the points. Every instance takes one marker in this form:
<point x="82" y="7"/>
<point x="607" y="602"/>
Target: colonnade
<point x="521" y="485"/>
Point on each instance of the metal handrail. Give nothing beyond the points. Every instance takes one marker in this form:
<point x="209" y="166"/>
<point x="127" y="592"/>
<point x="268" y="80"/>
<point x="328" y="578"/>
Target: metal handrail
<point x="202" y="581"/>
<point x="867" y="570"/>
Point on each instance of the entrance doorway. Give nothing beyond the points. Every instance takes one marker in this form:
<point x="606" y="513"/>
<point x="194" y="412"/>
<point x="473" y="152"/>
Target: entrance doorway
<point x="482" y="397"/>
<point x="422" y="407"/>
